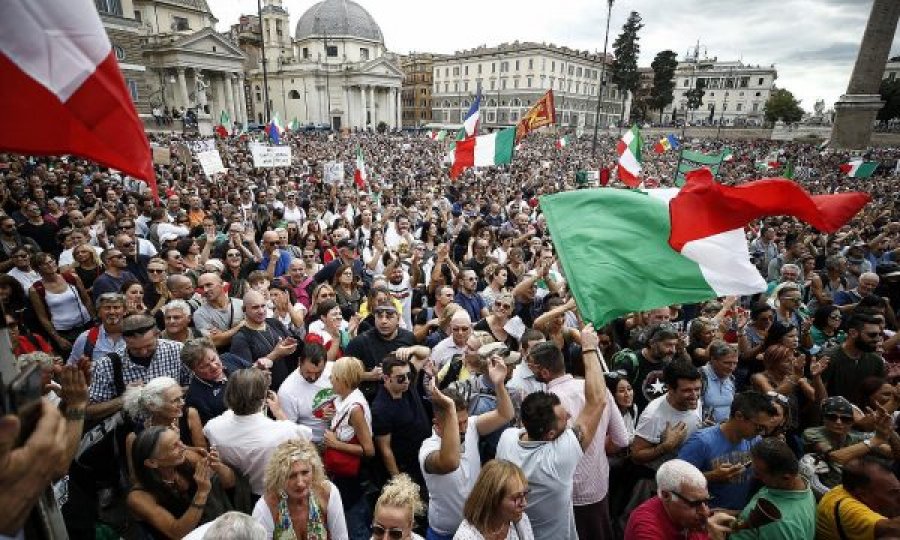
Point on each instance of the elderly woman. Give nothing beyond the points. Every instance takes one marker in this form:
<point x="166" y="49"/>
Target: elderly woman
<point x="495" y="323"/>
<point x="396" y="509"/>
<point x="299" y="501"/>
<point x="720" y="384"/>
<point x="496" y="506"/>
<point x="160" y="402"/>
<point x="171" y="496"/>
<point x="349" y="434"/>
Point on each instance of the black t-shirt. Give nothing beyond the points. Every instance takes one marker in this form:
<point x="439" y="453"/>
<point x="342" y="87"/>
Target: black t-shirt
<point x="844" y="375"/>
<point x="648" y="382"/>
<point x="407" y="422"/>
<point x="371" y="348"/>
<point x="44" y="235"/>
<point x="251" y="345"/>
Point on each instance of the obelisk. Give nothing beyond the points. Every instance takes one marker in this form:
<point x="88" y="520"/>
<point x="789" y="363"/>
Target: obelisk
<point x="855" y="111"/>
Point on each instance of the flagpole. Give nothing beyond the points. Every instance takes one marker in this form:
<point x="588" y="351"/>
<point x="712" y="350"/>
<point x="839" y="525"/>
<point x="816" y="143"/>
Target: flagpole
<point x="678" y="165"/>
<point x="601" y="83"/>
<point x="262" y="46"/>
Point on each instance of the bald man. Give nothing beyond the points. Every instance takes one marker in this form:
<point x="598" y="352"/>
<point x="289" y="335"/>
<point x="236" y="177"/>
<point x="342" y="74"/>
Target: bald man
<point x="264" y="341"/>
<point x="846" y="300"/>
<point x="220" y="317"/>
<point x="460" y="330"/>
<point x="275" y="262"/>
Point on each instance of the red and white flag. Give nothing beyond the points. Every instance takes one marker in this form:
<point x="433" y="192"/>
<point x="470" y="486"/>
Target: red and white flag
<point x="62" y="91"/>
<point x="360" y="176"/>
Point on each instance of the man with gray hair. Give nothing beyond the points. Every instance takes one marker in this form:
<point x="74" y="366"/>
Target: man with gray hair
<point x="680" y="508"/>
<point x="106" y="337"/>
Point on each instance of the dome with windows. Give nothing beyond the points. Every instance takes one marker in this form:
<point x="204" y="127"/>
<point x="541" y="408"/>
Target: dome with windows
<point x="338" y="18"/>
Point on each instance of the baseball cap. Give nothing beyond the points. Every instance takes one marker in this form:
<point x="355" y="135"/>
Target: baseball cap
<point x="499" y="348"/>
<point x="837" y="405"/>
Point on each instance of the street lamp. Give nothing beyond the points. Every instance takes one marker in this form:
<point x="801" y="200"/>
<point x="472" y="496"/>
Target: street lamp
<point x="602" y="79"/>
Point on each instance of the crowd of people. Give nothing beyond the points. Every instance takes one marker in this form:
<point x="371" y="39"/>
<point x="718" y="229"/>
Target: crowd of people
<point x="264" y="354"/>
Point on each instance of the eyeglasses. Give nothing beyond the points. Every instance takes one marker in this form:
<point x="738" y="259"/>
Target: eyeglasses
<point x="501" y="305"/>
<point x="521" y="497"/>
<point x="692" y="503"/>
<point x="156" y="271"/>
<point x="401" y="378"/>
<point x="834" y="417"/>
<point x="393" y="533"/>
<point x="233" y="254"/>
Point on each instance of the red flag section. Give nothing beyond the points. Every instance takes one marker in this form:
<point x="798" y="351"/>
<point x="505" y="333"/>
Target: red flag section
<point x="705" y="208"/>
<point x="463" y="157"/>
<point x="80" y="108"/>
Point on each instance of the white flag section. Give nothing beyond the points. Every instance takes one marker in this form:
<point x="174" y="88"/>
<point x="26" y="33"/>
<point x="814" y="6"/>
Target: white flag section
<point x="271" y="156"/>
<point x="210" y="162"/>
<point x="333" y="171"/>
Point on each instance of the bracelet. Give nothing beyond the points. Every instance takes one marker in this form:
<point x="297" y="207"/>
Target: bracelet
<point x="585" y="351"/>
<point x="75" y="414"/>
<point x="199" y="506"/>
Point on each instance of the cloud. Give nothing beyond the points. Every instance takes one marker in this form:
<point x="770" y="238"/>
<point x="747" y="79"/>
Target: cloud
<point x="813" y="43"/>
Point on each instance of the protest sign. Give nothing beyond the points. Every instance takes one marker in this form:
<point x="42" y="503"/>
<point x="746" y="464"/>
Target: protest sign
<point x="333" y="172"/>
<point x="271" y="156"/>
<point x="210" y="162"/>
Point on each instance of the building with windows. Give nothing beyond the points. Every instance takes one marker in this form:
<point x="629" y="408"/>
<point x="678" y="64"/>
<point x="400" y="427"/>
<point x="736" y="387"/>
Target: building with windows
<point x="892" y="69"/>
<point x="172" y="58"/>
<point x="512" y="76"/>
<point x="417" y="84"/>
<point x="735" y="93"/>
<point x="336" y="71"/>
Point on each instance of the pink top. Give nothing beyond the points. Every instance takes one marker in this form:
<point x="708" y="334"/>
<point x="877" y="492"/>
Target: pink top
<point x="592" y="474"/>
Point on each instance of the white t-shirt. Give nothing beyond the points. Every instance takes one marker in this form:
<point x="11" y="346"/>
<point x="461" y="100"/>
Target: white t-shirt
<point x="305" y="402"/>
<point x="402" y="292"/>
<point x="517" y="531"/>
<point x="334" y="514"/>
<point x="550" y="469"/>
<point x="340" y="422"/>
<point x="247" y="442"/>
<point x="654" y="419"/>
<point x="448" y="492"/>
<point x="27" y="279"/>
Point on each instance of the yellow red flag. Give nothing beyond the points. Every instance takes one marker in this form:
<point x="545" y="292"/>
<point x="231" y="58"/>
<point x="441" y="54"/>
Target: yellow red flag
<point x="543" y="113"/>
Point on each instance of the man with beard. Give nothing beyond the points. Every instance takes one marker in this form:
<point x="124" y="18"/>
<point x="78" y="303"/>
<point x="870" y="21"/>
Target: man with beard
<point x="146" y="357"/>
<point x="105" y="338"/>
<point x="644" y="368"/>
<point x="855" y="360"/>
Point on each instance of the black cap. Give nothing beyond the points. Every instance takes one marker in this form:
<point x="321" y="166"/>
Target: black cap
<point x="346" y="243"/>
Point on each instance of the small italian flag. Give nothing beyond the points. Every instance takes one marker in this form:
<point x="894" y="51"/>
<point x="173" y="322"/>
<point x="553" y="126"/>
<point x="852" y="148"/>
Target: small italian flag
<point x="858" y="168"/>
<point x="224" y="125"/>
<point x="360" y="176"/>
<point x="634" y="250"/>
<point x="629" y="150"/>
<point x="437" y="135"/>
<point x="562" y="142"/>
<point x="484" y="150"/>
<point x="295" y="124"/>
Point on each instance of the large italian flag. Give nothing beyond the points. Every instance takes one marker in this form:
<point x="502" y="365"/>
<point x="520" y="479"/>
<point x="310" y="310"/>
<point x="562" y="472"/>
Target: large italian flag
<point x="484" y="150"/>
<point x="625" y="251"/>
<point x="629" y="150"/>
<point x="62" y="91"/>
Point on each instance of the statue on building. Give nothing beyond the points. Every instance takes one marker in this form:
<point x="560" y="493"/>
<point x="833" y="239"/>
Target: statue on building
<point x="200" y="86"/>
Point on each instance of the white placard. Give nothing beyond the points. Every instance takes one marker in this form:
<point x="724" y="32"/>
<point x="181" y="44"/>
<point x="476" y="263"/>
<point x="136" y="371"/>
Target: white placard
<point x="201" y="146"/>
<point x="210" y="162"/>
<point x="271" y="156"/>
<point x="333" y="172"/>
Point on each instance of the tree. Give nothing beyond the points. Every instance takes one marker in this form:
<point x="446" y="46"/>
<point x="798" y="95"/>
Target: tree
<point x="890" y="93"/>
<point x="627" y="49"/>
<point x="782" y="105"/>
<point x="695" y="96"/>
<point x="663" y="91"/>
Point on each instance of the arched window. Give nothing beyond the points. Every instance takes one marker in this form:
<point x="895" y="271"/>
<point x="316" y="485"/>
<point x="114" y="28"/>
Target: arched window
<point x="516" y="102"/>
<point x="293" y="94"/>
<point x="492" y="103"/>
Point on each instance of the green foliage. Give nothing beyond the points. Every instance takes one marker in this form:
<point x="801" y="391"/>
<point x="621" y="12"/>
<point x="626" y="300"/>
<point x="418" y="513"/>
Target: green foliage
<point x="627" y="49"/>
<point x="695" y="95"/>
<point x="663" y="92"/>
<point x="890" y="93"/>
<point x="782" y="105"/>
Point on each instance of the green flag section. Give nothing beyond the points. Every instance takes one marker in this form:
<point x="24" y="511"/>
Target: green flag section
<point x="614" y="247"/>
<point x="858" y="168"/>
<point x="691" y="161"/>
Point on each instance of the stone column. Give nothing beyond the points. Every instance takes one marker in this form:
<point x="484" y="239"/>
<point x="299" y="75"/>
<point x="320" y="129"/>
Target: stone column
<point x="855" y="111"/>
<point x="346" y="122"/>
<point x="236" y="99"/>
<point x="374" y="120"/>
<point x="229" y="96"/>
<point x="242" y="100"/>
<point x="219" y="83"/>
<point x="182" y="88"/>
<point x="363" y="94"/>
<point x="398" y="108"/>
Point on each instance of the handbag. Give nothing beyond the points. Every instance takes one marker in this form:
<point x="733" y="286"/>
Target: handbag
<point x="339" y="463"/>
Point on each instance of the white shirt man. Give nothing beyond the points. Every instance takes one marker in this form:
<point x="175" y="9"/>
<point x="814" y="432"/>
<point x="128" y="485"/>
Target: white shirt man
<point x="306" y="399"/>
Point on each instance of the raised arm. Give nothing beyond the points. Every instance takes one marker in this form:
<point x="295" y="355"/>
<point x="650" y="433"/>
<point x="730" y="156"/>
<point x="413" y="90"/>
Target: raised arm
<point x="594" y="388"/>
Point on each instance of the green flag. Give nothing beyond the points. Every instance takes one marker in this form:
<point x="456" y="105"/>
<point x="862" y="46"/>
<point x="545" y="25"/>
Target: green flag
<point x="690" y="161"/>
<point x="788" y="170"/>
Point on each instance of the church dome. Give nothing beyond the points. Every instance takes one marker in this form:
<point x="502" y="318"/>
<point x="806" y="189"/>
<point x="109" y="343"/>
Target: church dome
<point x="338" y="18"/>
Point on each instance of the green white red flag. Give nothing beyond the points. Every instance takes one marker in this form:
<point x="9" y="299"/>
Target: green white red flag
<point x="629" y="150"/>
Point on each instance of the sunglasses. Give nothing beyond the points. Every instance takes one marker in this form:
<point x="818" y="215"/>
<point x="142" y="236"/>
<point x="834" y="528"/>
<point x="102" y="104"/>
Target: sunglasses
<point x="393" y="533"/>
<point x="156" y="270"/>
<point x="501" y="305"/>
<point x="233" y="255"/>
<point x="401" y="378"/>
<point x="833" y="417"/>
<point x="692" y="503"/>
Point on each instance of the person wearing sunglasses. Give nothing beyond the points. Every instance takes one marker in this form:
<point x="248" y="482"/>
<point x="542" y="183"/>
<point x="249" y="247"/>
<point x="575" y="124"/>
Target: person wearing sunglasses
<point x="836" y="442"/>
<point x="496" y="506"/>
<point x="679" y="510"/>
<point x="396" y="509"/>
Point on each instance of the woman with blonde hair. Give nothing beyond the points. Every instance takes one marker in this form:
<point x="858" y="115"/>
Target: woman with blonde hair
<point x="348" y="440"/>
<point x="299" y="501"/>
<point x="495" y="509"/>
<point x="396" y="510"/>
<point x="495" y="323"/>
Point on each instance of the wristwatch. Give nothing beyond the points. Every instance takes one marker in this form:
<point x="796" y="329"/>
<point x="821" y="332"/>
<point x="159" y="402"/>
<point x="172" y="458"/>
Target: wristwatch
<point x="868" y="442"/>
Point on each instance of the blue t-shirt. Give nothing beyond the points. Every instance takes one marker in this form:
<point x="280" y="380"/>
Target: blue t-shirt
<point x="281" y="267"/>
<point x="708" y="448"/>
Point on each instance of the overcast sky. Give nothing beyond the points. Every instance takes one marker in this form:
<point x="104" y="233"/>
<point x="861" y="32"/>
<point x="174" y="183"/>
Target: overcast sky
<point x="813" y="43"/>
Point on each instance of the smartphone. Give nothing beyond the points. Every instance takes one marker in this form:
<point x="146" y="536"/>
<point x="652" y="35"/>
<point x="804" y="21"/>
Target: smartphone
<point x="23" y="397"/>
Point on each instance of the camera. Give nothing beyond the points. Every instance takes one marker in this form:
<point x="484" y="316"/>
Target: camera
<point x="22" y="396"/>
